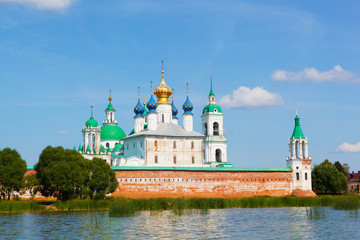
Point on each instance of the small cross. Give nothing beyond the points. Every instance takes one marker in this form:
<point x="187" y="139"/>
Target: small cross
<point x="162" y="65"/>
<point x="151" y="86"/>
<point x="139" y="92"/>
<point x="110" y="93"/>
<point x="187" y="89"/>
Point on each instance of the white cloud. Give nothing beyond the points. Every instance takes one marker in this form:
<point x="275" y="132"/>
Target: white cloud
<point x="336" y="74"/>
<point x="347" y="147"/>
<point x="43" y="4"/>
<point x="244" y="97"/>
<point x="62" y="132"/>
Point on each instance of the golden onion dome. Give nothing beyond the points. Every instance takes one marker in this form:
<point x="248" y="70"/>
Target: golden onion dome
<point x="163" y="92"/>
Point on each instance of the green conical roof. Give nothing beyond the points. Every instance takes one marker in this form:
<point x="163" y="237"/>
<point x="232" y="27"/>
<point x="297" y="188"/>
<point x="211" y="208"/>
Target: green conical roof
<point x="102" y="149"/>
<point x="88" y="148"/>
<point x="297" y="133"/>
<point x="211" y="91"/>
<point x="74" y="148"/>
<point x="110" y="107"/>
<point x="80" y="148"/>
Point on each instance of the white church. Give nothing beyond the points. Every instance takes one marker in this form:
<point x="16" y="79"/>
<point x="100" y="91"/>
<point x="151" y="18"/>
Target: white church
<point x="157" y="138"/>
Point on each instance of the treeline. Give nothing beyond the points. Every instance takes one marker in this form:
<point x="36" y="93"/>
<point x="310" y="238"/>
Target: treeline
<point x="61" y="173"/>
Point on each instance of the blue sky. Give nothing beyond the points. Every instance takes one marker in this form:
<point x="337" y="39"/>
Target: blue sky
<point x="59" y="57"/>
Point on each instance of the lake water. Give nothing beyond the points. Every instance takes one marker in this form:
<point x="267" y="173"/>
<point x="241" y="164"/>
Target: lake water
<point x="256" y="223"/>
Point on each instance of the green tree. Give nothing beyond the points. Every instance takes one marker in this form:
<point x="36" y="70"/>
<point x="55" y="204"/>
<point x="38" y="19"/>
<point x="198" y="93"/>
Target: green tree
<point x="102" y="179"/>
<point x="12" y="171"/>
<point x="31" y="184"/>
<point x="326" y="178"/>
<point x="62" y="173"/>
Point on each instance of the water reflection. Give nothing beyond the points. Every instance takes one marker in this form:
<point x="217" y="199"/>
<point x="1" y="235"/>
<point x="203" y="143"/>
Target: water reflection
<point x="260" y="223"/>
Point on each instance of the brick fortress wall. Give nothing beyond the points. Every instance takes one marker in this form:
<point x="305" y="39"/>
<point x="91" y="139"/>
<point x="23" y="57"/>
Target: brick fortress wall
<point x="182" y="183"/>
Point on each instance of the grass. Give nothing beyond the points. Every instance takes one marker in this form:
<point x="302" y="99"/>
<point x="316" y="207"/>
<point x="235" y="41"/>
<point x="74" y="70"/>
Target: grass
<point x="20" y="206"/>
<point x="130" y="207"/>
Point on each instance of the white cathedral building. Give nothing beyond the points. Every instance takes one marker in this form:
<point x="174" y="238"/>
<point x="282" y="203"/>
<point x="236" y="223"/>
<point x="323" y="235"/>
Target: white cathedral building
<point x="157" y="139"/>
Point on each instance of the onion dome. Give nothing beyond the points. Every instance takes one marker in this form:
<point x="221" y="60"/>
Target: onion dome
<point x="174" y="110"/>
<point x="138" y="110"/>
<point x="91" y="122"/>
<point x="152" y="105"/>
<point x="297" y="133"/>
<point x="162" y="91"/>
<point x="187" y="107"/>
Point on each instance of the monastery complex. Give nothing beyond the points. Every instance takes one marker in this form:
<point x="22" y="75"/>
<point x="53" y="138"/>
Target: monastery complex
<point x="160" y="158"/>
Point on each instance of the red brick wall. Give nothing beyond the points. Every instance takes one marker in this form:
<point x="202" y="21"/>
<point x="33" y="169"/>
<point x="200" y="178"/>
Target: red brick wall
<point x="145" y="183"/>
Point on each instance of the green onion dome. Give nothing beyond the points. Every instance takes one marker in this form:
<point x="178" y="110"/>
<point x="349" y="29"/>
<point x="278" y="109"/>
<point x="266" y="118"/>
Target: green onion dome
<point x="111" y="132"/>
<point x="212" y="108"/>
<point x="91" y="122"/>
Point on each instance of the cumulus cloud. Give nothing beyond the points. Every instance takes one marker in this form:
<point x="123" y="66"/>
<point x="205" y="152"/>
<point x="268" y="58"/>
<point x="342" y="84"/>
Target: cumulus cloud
<point x="336" y="74"/>
<point x="347" y="147"/>
<point x="43" y="4"/>
<point x="62" y="132"/>
<point x="244" y="97"/>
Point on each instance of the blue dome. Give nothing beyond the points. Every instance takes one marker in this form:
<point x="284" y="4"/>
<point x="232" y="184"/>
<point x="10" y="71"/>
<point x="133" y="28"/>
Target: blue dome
<point x="151" y="105"/>
<point x="188" y="107"/>
<point x="174" y="110"/>
<point x="139" y="109"/>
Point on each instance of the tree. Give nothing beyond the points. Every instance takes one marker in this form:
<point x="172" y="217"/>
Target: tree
<point x="326" y="178"/>
<point x="12" y="171"/>
<point x="62" y="173"/>
<point x="65" y="174"/>
<point x="31" y="184"/>
<point x="102" y="179"/>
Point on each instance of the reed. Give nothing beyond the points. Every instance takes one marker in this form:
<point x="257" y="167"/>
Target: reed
<point x="20" y="206"/>
<point x="315" y="213"/>
<point x="81" y="205"/>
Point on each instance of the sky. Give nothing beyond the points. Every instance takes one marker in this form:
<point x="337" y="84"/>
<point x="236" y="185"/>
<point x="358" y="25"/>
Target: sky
<point x="267" y="58"/>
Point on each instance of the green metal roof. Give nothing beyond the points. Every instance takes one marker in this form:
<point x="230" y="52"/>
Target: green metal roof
<point x="210" y="108"/>
<point x="110" y="107"/>
<point x="111" y="132"/>
<point x="30" y="167"/>
<point x="91" y="122"/>
<point x="204" y="169"/>
<point x="297" y="133"/>
<point x="118" y="147"/>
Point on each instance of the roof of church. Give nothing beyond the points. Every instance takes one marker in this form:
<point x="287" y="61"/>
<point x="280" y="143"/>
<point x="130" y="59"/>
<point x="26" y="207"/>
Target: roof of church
<point x="297" y="133"/>
<point x="167" y="129"/>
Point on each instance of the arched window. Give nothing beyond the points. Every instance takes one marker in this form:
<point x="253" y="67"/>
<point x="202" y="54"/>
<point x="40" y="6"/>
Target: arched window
<point x="155" y="143"/>
<point x="156" y="159"/>
<point x="174" y="144"/>
<point x="140" y="144"/>
<point x="192" y="144"/>
<point x="218" y="155"/>
<point x="205" y="129"/>
<point x="306" y="176"/>
<point x="107" y="145"/>
<point x="111" y="117"/>
<point x="162" y="117"/>
<point x="216" y="128"/>
<point x="192" y="159"/>
<point x="297" y="176"/>
<point x="174" y="159"/>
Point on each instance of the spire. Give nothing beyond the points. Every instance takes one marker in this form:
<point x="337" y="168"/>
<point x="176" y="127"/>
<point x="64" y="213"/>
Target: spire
<point x="211" y="88"/>
<point x="297" y="133"/>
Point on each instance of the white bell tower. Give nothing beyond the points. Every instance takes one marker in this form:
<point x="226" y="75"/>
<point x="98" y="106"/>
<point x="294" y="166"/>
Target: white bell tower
<point x="215" y="143"/>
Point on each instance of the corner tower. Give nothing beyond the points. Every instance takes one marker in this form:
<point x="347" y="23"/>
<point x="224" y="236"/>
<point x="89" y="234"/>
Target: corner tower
<point x="215" y="143"/>
<point x="299" y="161"/>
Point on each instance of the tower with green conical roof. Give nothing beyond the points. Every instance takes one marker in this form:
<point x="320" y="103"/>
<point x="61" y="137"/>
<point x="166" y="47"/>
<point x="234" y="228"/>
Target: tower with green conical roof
<point x="215" y="143"/>
<point x="299" y="161"/>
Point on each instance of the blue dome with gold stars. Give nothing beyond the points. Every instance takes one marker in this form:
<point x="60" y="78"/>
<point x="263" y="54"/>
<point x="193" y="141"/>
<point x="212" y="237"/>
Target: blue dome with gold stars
<point x="187" y="107"/>
<point x="152" y="105"/>
<point x="174" y="110"/>
<point x="139" y="109"/>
